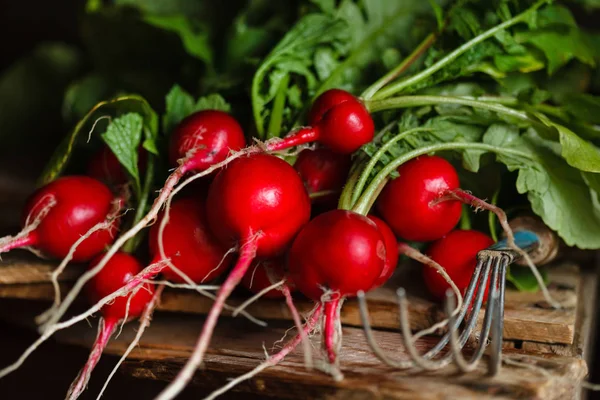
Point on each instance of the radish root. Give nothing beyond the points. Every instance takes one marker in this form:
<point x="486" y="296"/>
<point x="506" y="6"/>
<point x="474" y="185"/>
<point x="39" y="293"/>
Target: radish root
<point x="273" y="360"/>
<point x="136" y="281"/>
<point x="247" y="254"/>
<point x="468" y="198"/>
<point x="257" y="296"/>
<point x="26" y="237"/>
<point x="416" y="255"/>
<point x="105" y="331"/>
<point x="145" y="320"/>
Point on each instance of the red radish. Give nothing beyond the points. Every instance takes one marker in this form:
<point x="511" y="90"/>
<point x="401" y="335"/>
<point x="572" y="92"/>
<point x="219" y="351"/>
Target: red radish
<point x="341" y="252"/>
<point x="258" y="199"/>
<point x="457" y="253"/>
<point x="61" y="212"/>
<point x="391" y="251"/>
<point x="205" y="138"/>
<point x="259" y="204"/>
<point x="105" y="167"/>
<point x="120" y="269"/>
<point x="409" y="203"/>
<point x="326" y="101"/>
<point x="339" y="121"/>
<point x="262" y="274"/>
<point x="189" y="243"/>
<point x="323" y="170"/>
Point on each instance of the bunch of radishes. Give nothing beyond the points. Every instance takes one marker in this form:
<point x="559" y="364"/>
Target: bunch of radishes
<point x="259" y="206"/>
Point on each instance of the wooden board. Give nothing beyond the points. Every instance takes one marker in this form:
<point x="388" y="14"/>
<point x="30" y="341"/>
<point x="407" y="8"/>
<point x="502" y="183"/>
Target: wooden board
<point x="237" y="348"/>
<point x="526" y="317"/>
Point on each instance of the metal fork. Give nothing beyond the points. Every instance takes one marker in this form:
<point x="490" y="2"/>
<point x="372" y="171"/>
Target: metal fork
<point x="491" y="261"/>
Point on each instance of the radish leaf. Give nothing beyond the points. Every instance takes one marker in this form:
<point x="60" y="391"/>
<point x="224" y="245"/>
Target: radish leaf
<point x="123" y="136"/>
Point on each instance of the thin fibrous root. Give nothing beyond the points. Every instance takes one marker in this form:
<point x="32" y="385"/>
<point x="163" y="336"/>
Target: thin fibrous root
<point x="165" y="193"/>
<point x="478" y="203"/>
<point x="257" y="296"/>
<point x="416" y="255"/>
<point x="186" y="286"/>
<point x="25" y="238"/>
<point x="104" y="225"/>
<point x="133" y="283"/>
<point x="247" y="254"/>
<point x="145" y="320"/>
<point x="105" y="331"/>
<point x="275" y="358"/>
<point x="306" y="349"/>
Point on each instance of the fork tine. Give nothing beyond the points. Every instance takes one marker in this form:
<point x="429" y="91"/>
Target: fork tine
<point x="470" y="292"/>
<point x="470" y="365"/>
<point x="364" y="316"/>
<point x="494" y="362"/>
<point x="407" y="336"/>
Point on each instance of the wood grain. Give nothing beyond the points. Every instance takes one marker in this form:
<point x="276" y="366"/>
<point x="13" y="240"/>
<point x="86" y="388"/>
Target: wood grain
<point x="237" y="347"/>
<point x="526" y="316"/>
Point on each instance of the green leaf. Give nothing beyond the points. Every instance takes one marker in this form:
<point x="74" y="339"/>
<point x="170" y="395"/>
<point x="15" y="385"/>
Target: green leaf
<point x="582" y="106"/>
<point x="122" y="104"/>
<point x="212" y="102"/>
<point x="293" y="55"/>
<point x="578" y="152"/>
<point x="557" y="192"/>
<point x="178" y="105"/>
<point x="123" y="136"/>
<point x="193" y="36"/>
<point x="523" y="279"/>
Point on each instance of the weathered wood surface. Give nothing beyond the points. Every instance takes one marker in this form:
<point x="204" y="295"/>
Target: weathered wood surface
<point x="526" y="316"/>
<point x="237" y="347"/>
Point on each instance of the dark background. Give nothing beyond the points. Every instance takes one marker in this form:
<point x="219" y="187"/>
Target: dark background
<point x="49" y="371"/>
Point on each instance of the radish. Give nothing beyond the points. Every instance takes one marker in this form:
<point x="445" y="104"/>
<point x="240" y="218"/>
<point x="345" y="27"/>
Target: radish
<point x="201" y="143"/>
<point x="257" y="203"/>
<point x="118" y="271"/>
<point x="457" y="253"/>
<point x="336" y="255"/>
<point x="408" y="203"/>
<point x="324" y="173"/>
<point x="105" y="167"/>
<point x="58" y="214"/>
<point x="188" y="243"/>
<point x="391" y="251"/>
<point x="338" y="120"/>
<point x="203" y="139"/>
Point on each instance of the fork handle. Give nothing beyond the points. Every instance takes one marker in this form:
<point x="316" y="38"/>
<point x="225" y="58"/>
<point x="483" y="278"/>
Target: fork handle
<point x="548" y="243"/>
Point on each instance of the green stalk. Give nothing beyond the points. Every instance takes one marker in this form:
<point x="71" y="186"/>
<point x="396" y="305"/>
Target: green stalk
<point x="465" y="218"/>
<point x="419" y="101"/>
<point x="377" y="156"/>
<point x="345" y="201"/>
<point x="492" y="216"/>
<point x="276" y="118"/>
<point x="362" y="206"/>
<point x="426" y="73"/>
<point x="132" y="243"/>
<point x="260" y="129"/>
<point x="369" y="92"/>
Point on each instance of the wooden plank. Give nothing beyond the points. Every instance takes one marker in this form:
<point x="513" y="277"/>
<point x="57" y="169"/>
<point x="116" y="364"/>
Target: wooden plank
<point x="526" y="318"/>
<point x="237" y="347"/>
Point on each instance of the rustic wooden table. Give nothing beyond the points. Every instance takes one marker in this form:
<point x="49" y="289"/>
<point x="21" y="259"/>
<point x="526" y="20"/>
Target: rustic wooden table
<point x="557" y="341"/>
